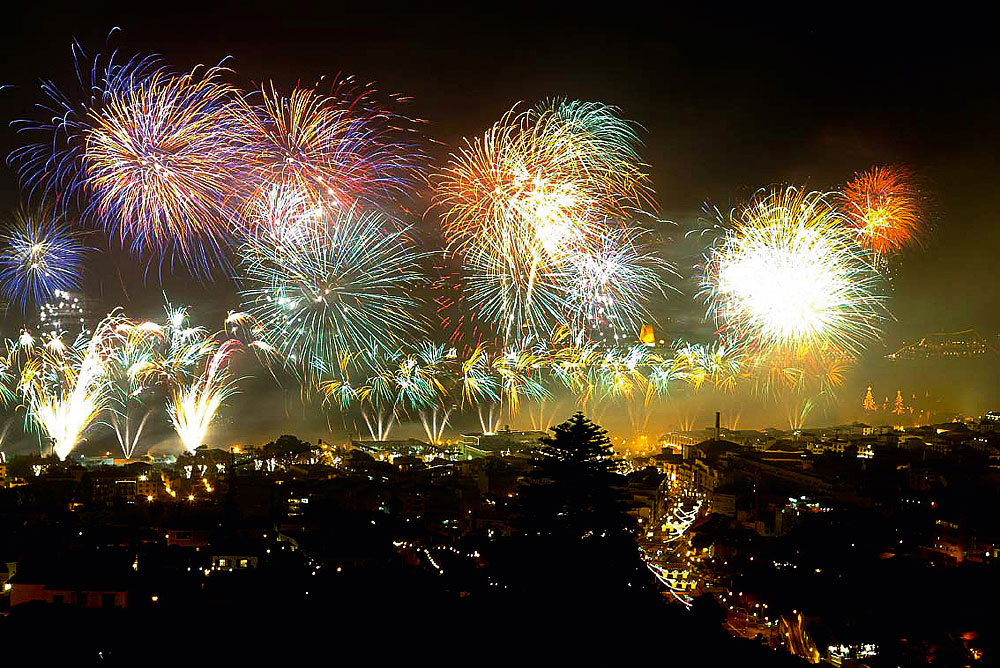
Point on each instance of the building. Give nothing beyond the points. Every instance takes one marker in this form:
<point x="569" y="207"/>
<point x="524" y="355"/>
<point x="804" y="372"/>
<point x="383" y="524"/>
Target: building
<point x="943" y="345"/>
<point x="411" y="447"/>
<point x="69" y="313"/>
<point x="126" y="484"/>
<point x="502" y="443"/>
<point x="65" y="594"/>
<point x="990" y="423"/>
<point x="235" y="553"/>
<point x="74" y="579"/>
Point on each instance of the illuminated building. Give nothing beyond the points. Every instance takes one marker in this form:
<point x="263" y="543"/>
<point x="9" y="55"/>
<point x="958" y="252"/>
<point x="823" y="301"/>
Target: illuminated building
<point x="943" y="345"/>
<point x="504" y="442"/>
<point x="990" y="423"/>
<point x="136" y="482"/>
<point x="233" y="553"/>
<point x="391" y="449"/>
<point x="949" y="541"/>
<point x="69" y="313"/>
<point x="841" y="654"/>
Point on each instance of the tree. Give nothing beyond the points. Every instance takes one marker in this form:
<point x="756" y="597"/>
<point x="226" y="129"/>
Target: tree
<point x="869" y="403"/>
<point x="898" y="407"/>
<point x="577" y="490"/>
<point x="577" y="547"/>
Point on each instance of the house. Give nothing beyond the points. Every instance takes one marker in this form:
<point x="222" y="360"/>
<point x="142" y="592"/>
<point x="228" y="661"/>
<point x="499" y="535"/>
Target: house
<point x="72" y="580"/>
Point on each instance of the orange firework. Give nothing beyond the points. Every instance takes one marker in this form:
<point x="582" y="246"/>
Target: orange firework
<point x="530" y="207"/>
<point x="884" y="207"/>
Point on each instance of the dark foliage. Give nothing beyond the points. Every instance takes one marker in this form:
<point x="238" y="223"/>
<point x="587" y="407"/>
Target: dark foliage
<point x="575" y="549"/>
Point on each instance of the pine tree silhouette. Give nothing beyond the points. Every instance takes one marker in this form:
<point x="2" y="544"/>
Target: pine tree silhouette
<point x="577" y="545"/>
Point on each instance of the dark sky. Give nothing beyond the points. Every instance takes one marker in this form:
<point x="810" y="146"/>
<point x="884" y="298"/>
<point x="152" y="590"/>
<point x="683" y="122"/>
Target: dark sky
<point x="729" y="101"/>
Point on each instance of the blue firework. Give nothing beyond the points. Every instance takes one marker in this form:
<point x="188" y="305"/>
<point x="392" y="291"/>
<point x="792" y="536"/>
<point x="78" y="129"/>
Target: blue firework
<point x="39" y="254"/>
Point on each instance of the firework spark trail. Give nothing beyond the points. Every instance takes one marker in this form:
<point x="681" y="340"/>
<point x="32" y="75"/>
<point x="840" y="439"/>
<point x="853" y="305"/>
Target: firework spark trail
<point x="177" y="349"/>
<point x="478" y="384"/>
<point x="64" y="384"/>
<point x="337" y="149"/>
<point x="39" y="255"/>
<point x="52" y="166"/>
<point x="193" y="365"/>
<point x="16" y="353"/>
<point x="797" y="410"/>
<point x="340" y="391"/>
<point x="419" y="378"/>
<point x="420" y="384"/>
<point x="400" y="385"/>
<point x="542" y="420"/>
<point x="379" y="423"/>
<point x="347" y="290"/>
<point x="129" y="367"/>
<point x="516" y="369"/>
<point x="3" y="435"/>
<point x="490" y="422"/>
<point x="192" y="406"/>
<point x="127" y="439"/>
<point x="435" y="423"/>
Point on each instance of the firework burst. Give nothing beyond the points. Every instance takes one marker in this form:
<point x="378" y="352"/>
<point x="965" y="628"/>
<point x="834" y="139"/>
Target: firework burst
<point x="193" y="405"/>
<point x="883" y="207"/>
<point x="40" y="256"/>
<point x="346" y="289"/>
<point x="612" y="285"/>
<point x="610" y="146"/>
<point x="788" y="276"/>
<point x="64" y="384"/>
<point x="339" y="148"/>
<point x="162" y="158"/>
<point x="52" y="165"/>
<point x="528" y="207"/>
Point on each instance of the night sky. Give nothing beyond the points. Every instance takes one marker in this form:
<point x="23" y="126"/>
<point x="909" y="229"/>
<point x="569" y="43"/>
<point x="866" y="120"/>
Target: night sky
<point x="728" y="101"/>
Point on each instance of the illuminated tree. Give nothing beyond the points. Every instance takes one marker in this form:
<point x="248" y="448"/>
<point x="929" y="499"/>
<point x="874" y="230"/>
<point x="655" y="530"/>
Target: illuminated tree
<point x="898" y="407"/>
<point x="869" y="403"/>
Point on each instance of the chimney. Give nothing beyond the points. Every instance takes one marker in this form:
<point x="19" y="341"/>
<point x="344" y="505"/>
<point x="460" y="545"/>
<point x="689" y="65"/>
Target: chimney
<point x="718" y="427"/>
